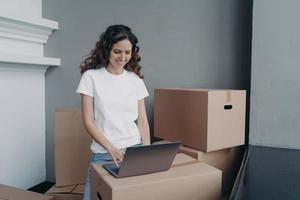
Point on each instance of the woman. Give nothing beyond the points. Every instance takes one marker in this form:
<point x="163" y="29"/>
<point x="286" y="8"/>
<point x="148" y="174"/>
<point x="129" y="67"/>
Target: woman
<point x="112" y="97"/>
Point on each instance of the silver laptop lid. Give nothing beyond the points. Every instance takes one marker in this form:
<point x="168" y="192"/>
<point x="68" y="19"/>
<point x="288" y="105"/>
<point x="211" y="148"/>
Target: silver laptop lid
<point x="148" y="159"/>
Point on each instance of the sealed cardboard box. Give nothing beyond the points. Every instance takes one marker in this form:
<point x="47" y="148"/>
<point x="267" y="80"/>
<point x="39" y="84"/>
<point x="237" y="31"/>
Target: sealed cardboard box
<point x="72" y="148"/>
<point x="186" y="179"/>
<point x="12" y="193"/>
<point x="227" y="160"/>
<point x="204" y="119"/>
<point x="72" y="192"/>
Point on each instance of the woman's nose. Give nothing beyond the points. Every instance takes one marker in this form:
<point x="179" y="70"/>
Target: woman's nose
<point x="122" y="57"/>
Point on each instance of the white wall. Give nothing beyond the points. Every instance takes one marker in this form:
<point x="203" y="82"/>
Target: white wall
<point x="23" y="34"/>
<point x="22" y="122"/>
<point x="23" y="9"/>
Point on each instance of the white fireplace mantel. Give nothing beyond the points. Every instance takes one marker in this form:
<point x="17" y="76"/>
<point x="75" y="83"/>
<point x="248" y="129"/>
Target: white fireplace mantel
<point x="30" y="29"/>
<point x="29" y="60"/>
<point x="22" y="86"/>
<point x="29" y="35"/>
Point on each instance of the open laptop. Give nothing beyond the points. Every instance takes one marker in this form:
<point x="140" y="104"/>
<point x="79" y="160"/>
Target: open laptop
<point x="146" y="159"/>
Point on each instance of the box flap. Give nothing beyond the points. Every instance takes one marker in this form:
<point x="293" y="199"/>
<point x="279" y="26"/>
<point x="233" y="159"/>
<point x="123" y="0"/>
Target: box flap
<point x="58" y="190"/>
<point x="12" y="193"/>
<point x="79" y="189"/>
<point x="72" y="148"/>
<point x="182" y="158"/>
<point x="71" y="189"/>
<point x="194" y="153"/>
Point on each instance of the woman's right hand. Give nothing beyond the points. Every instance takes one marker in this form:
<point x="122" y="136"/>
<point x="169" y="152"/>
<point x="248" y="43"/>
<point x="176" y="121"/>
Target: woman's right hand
<point x="116" y="154"/>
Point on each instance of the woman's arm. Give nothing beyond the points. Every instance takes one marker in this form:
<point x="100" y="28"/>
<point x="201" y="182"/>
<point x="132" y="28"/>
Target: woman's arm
<point x="87" y="108"/>
<point x="142" y="122"/>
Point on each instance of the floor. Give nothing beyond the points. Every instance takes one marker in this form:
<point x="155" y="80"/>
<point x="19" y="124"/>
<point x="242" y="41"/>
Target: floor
<point x="42" y="187"/>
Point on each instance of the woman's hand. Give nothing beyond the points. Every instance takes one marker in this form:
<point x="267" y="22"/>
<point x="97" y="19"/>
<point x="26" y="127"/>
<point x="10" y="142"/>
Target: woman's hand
<point x="116" y="154"/>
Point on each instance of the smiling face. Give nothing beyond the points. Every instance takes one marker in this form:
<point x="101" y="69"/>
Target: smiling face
<point x="120" y="55"/>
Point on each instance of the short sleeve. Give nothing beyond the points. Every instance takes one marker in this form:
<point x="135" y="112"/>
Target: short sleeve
<point x="86" y="85"/>
<point x="142" y="90"/>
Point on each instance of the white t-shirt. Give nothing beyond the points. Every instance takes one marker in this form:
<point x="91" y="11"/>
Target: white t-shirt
<point x="115" y="105"/>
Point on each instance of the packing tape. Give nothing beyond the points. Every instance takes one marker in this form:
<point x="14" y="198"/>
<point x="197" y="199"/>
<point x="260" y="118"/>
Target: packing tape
<point x="228" y="96"/>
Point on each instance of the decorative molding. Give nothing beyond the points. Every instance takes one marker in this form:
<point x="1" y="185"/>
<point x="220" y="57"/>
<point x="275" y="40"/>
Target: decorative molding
<point x="32" y="60"/>
<point x="30" y="30"/>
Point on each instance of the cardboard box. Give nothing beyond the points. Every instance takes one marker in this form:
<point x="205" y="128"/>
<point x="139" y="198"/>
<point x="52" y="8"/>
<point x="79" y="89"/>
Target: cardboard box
<point x="204" y="119"/>
<point x="72" y="192"/>
<point x="186" y="179"/>
<point x="12" y="193"/>
<point x="72" y="148"/>
<point x="227" y="160"/>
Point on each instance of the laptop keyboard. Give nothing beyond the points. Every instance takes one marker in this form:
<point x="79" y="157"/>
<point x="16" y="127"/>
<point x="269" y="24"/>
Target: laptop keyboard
<point x="114" y="168"/>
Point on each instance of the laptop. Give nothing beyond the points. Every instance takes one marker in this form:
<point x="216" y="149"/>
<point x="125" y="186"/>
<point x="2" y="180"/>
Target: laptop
<point x="146" y="159"/>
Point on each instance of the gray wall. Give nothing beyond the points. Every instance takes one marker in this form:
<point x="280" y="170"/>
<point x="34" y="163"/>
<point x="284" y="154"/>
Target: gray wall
<point x="274" y="173"/>
<point x="188" y="43"/>
<point x="275" y="93"/>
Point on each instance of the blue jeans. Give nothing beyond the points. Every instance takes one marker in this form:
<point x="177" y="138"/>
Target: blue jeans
<point x="97" y="158"/>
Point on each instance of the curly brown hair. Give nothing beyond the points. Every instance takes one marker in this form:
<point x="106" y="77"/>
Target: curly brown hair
<point x="99" y="56"/>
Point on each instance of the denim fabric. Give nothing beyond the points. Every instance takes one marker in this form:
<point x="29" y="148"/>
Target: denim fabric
<point x="97" y="158"/>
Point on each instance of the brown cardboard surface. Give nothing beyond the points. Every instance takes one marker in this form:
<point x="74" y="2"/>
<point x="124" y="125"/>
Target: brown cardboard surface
<point x="79" y="189"/>
<point x="12" y="193"/>
<point x="72" y="148"/>
<point x="186" y="179"/>
<point x="72" y="192"/>
<point x="227" y="160"/>
<point x="197" y="117"/>
<point x="63" y="189"/>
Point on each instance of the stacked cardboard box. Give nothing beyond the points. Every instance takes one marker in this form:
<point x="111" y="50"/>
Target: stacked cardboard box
<point x="186" y="179"/>
<point x="227" y="160"/>
<point x="72" y="155"/>
<point x="209" y="122"/>
<point x="71" y="139"/>
<point x="12" y="193"/>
